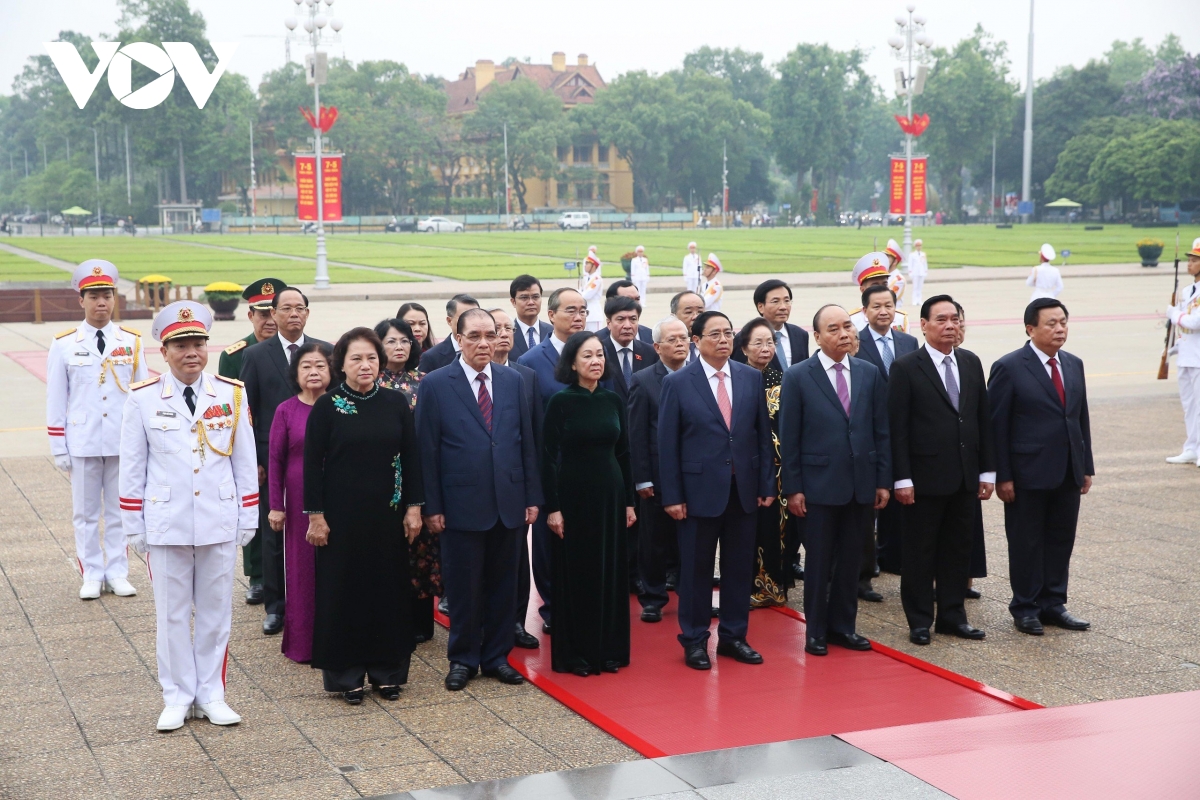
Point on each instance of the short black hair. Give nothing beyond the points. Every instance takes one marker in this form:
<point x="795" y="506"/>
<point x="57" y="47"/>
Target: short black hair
<point x="564" y="370"/>
<point x="766" y="287"/>
<point x="933" y="301"/>
<point x="459" y="300"/>
<point x="279" y="294"/>
<point x="702" y="319"/>
<point x="414" y="353"/>
<point x="618" y="303"/>
<point x="821" y="310"/>
<point x="1034" y="310"/>
<point x="521" y="283"/>
<point x="675" y="300"/>
<point x="875" y="289"/>
<point x="309" y="346"/>
<point x="472" y="312"/>
<point x="616" y="286"/>
<point x="343" y="345"/>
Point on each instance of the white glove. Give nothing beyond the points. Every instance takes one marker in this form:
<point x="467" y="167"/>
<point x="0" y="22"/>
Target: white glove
<point x="138" y="542"/>
<point x="245" y="535"/>
<point x="63" y="462"/>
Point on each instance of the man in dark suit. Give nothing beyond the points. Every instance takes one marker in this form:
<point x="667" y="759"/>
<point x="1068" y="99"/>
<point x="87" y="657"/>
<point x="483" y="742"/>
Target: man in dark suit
<point x="265" y="373"/>
<point x="773" y="299"/>
<point x="881" y="345"/>
<point x="943" y="457"/>
<point x="525" y="294"/>
<point x="482" y="489"/>
<point x="624" y="288"/>
<point x="445" y="351"/>
<point x="833" y="437"/>
<point x="502" y="355"/>
<point x="657" y="547"/>
<point x="685" y="307"/>
<point x="622" y="348"/>
<point x="717" y="466"/>
<point x="1043" y="465"/>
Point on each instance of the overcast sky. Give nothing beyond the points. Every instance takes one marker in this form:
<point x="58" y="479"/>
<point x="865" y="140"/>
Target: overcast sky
<point x="621" y="35"/>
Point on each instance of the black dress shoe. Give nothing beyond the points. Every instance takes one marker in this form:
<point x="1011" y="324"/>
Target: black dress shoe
<point x="546" y="628"/>
<point x="716" y="612"/>
<point x="459" y="674"/>
<point x="651" y="614"/>
<point x="254" y="595"/>
<point x="524" y="639"/>
<point x="444" y="606"/>
<point x="962" y="630"/>
<point x="815" y="646"/>
<point x="973" y="594"/>
<point x="1064" y="620"/>
<point x="505" y="674"/>
<point x="672" y="581"/>
<point x="611" y="666"/>
<point x="875" y="572"/>
<point x="1029" y="625"/>
<point x="869" y="594"/>
<point x="582" y="672"/>
<point x="738" y="650"/>
<point x="354" y="697"/>
<point x="919" y="636"/>
<point x="797" y="572"/>
<point x="388" y="692"/>
<point x="697" y="657"/>
<point x="273" y="624"/>
<point x="850" y="641"/>
<point x="420" y="638"/>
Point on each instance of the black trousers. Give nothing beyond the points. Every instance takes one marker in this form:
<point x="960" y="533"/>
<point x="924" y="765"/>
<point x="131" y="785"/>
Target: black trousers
<point x="978" y="544"/>
<point x="866" y="562"/>
<point x="272" y="556"/>
<point x="734" y="530"/>
<point x="422" y="616"/>
<point x="1040" y="526"/>
<point x="540" y="558"/>
<point x="656" y="532"/>
<point x="351" y="678"/>
<point x="523" y="577"/>
<point x="938" y="530"/>
<point x="833" y="551"/>
<point x="890" y="536"/>
<point x="479" y="569"/>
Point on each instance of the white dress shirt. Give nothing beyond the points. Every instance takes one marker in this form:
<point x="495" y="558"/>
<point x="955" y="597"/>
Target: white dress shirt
<point x="287" y="354"/>
<point x="473" y="374"/>
<point x="831" y="373"/>
<point x="89" y="335"/>
<point x="621" y="350"/>
<point x="1045" y="359"/>
<point x="523" y="331"/>
<point x="558" y="343"/>
<point x="784" y="347"/>
<point x="710" y="372"/>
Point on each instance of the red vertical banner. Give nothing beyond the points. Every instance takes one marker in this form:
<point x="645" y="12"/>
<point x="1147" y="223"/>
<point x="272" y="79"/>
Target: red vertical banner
<point x="896" y="192"/>
<point x="812" y="204"/>
<point x="918" y="186"/>
<point x="725" y="200"/>
<point x="331" y="180"/>
<point x="306" y="188"/>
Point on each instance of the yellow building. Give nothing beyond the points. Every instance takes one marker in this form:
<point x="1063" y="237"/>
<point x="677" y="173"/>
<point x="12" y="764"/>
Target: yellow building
<point x="601" y="180"/>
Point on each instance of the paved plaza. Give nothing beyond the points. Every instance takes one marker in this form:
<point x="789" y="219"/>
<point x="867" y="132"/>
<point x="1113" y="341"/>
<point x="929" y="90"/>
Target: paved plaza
<point x="78" y="690"/>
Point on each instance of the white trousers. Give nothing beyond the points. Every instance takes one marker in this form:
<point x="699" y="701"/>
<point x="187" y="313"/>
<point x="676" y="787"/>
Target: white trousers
<point x="191" y="669"/>
<point x="692" y="281"/>
<point x="918" y="284"/>
<point x="641" y="284"/>
<point x="1189" y="395"/>
<point x="94" y="486"/>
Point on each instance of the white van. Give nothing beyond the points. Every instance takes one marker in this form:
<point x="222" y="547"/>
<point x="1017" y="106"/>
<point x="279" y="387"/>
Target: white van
<point x="575" y="220"/>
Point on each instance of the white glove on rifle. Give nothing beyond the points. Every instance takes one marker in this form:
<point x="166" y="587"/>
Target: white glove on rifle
<point x="245" y="535"/>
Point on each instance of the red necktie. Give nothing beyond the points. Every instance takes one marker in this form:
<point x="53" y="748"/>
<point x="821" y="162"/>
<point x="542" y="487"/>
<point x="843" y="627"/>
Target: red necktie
<point x="485" y="401"/>
<point x="1056" y="379"/>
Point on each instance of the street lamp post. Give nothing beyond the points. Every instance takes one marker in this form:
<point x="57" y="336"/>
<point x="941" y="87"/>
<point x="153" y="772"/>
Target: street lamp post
<point x="912" y="47"/>
<point x="314" y="33"/>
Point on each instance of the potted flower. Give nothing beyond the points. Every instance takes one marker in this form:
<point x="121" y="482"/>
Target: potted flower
<point x="222" y="297"/>
<point x="156" y="289"/>
<point x="1149" y="250"/>
<point x="627" y="263"/>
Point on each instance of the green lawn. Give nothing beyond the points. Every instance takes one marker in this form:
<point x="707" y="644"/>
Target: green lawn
<point x="480" y="256"/>
<point x="17" y="269"/>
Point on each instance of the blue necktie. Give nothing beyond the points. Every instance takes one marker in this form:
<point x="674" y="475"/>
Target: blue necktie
<point x="888" y="356"/>
<point x="691" y="353"/>
<point x="532" y="344"/>
<point x="626" y="368"/>
<point x="951" y="384"/>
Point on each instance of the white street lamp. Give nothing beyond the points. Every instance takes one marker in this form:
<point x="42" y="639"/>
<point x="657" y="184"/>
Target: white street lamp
<point x="911" y="46"/>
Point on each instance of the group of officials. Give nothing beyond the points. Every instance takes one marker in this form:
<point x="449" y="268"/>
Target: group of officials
<point x="879" y="447"/>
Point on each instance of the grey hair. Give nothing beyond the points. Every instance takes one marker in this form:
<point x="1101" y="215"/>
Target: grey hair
<point x="658" y="326"/>
<point x="555" y="299"/>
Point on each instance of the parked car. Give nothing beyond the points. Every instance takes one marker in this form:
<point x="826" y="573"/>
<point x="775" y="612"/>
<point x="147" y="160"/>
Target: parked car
<point x="401" y="225"/>
<point x="439" y="225"/>
<point x="575" y="221"/>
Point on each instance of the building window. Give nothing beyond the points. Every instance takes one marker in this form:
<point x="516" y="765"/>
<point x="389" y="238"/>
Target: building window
<point x="562" y="193"/>
<point x="583" y="191"/>
<point x="562" y="154"/>
<point x="583" y="154"/>
<point x="604" y="193"/>
<point x="602" y="155"/>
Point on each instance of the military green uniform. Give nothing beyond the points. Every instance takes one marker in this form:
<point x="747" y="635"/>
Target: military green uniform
<point x="230" y="366"/>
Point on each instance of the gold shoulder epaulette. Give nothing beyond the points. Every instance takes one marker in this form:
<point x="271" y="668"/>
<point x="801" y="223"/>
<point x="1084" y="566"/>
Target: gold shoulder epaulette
<point x="65" y="333"/>
<point x="855" y="311"/>
<point x="130" y="331"/>
<point x="142" y="384"/>
<point x="233" y="348"/>
<point x="234" y="381"/>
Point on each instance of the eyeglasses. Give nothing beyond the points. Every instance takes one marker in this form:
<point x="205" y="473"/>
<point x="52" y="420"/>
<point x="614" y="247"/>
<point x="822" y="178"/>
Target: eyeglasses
<point x="718" y="336"/>
<point x="761" y="343"/>
<point x="475" y="337"/>
<point x="675" y="340"/>
<point x="571" y="311"/>
<point x="528" y="298"/>
<point x="503" y="328"/>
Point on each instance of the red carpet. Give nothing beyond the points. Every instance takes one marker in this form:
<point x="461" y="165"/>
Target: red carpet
<point x="1141" y="747"/>
<point x="660" y="707"/>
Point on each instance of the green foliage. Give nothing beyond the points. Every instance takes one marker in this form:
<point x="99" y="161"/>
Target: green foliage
<point x="1161" y="162"/>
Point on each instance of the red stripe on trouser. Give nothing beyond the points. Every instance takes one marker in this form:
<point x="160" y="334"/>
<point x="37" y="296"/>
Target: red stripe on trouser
<point x="224" y="665"/>
<point x="149" y="572"/>
<point x="79" y="564"/>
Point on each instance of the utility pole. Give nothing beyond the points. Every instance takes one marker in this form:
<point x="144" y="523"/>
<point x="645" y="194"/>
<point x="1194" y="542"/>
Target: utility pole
<point x="128" y="171"/>
<point x="992" y="209"/>
<point x="724" y="183"/>
<point x="507" y="187"/>
<point x="253" y="181"/>
<point x="96" y="150"/>
<point x="1027" y="157"/>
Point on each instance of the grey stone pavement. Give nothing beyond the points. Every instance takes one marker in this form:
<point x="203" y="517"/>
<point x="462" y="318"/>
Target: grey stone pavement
<point x="79" y="698"/>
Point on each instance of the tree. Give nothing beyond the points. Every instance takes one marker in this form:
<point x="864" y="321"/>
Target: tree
<point x="639" y="113"/>
<point x="1128" y="61"/>
<point x="748" y="78"/>
<point x="1160" y="162"/>
<point x="1169" y="90"/>
<point x="1072" y="175"/>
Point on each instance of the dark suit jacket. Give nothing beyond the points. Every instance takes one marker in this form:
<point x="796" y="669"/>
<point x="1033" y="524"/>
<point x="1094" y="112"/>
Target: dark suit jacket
<point x="438" y="356"/>
<point x="939" y="449"/>
<point x="542" y="360"/>
<point x="644" y="355"/>
<point x="520" y="346"/>
<point x="834" y="459"/>
<point x="644" y="334"/>
<point x="903" y="344"/>
<point x="265" y="373"/>
<point x="533" y="396"/>
<point x="1034" y="432"/>
<point x="797" y="337"/>
<point x="643" y="423"/>
<point x="471" y="475"/>
<point x="698" y="455"/>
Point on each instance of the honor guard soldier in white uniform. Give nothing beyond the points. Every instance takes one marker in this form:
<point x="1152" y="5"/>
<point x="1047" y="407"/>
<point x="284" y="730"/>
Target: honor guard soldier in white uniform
<point x="896" y="280"/>
<point x="88" y="373"/>
<point x="189" y="493"/>
<point x="1185" y="316"/>
<point x="1045" y="278"/>
<point x="591" y="286"/>
<point x="871" y="270"/>
<point x="639" y="272"/>
<point x="691" y="269"/>
<point x="712" y="291"/>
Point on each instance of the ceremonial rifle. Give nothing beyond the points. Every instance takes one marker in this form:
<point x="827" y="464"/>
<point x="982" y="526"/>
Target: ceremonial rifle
<point x="1163" y="365"/>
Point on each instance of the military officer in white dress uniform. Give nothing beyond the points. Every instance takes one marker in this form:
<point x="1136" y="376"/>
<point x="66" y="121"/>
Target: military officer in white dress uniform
<point x="1045" y="278"/>
<point x="189" y="493"/>
<point x="691" y="268"/>
<point x="639" y="272"/>
<point x="1185" y="316"/>
<point x="713" y="291"/>
<point x="870" y="270"/>
<point x="88" y="373"/>
<point x="896" y="280"/>
<point x="591" y="286"/>
<point x="918" y="268"/>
